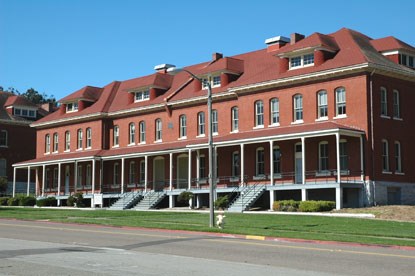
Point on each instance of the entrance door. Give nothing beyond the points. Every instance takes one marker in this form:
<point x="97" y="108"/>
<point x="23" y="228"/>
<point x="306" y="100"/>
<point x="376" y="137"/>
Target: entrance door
<point x="182" y="171"/>
<point x="298" y="164"/>
<point x="67" y="175"/>
<point x="158" y="173"/>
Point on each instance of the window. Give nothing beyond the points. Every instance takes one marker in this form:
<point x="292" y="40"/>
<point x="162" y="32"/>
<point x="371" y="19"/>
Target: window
<point x="88" y="180"/>
<point x="275" y="111"/>
<point x="383" y="102"/>
<point x="158" y="130"/>
<point x="235" y="164"/>
<point x="67" y="141"/>
<point x="79" y="176"/>
<point x="213" y="80"/>
<point x="183" y="128"/>
<point x="235" y="118"/>
<point x="302" y="61"/>
<point x="322" y="105"/>
<point x="116" y="136"/>
<point x="142" y="96"/>
<point x="396" y="106"/>
<point x="340" y="101"/>
<point x="131" y="176"/>
<point x="80" y="138"/>
<point x="142" y="171"/>
<point x="142" y="126"/>
<point x="277" y="160"/>
<point x="47" y="143"/>
<point x="298" y="108"/>
<point x="55" y="178"/>
<point x="216" y="81"/>
<point x="132" y="134"/>
<point x="215" y="127"/>
<point x="3" y="138"/>
<point x="201" y="124"/>
<point x="24" y="112"/>
<point x="202" y="166"/>
<point x="385" y="156"/>
<point x="72" y="107"/>
<point x="55" y="142"/>
<point x="88" y="138"/>
<point x="406" y="60"/>
<point x="344" y="159"/>
<point x="323" y="156"/>
<point x="116" y="174"/>
<point x="398" y="158"/>
<point x="32" y="113"/>
<point x="17" y="111"/>
<point x="259" y="114"/>
<point x="260" y="162"/>
<point x="3" y="169"/>
<point x="47" y="178"/>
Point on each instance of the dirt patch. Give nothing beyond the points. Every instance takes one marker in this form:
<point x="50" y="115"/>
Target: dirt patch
<point x="391" y="212"/>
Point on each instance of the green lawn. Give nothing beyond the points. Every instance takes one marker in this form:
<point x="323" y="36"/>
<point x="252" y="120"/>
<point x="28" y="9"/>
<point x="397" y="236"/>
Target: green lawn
<point x="368" y="231"/>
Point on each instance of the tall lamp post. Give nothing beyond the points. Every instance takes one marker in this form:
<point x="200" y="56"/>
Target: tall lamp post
<point x="173" y="71"/>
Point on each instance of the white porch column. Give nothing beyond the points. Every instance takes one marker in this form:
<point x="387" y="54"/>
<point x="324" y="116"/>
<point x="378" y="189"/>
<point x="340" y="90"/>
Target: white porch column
<point x="242" y="164"/>
<point x="362" y="169"/>
<point x="28" y="181"/>
<point x="171" y="171"/>
<point x="43" y="180"/>
<point x="271" y="162"/>
<point x="339" y="198"/>
<point x="101" y="175"/>
<point x="145" y="173"/>
<point x="122" y="175"/>
<point x="59" y="179"/>
<point x="14" y="181"/>
<point x="197" y="168"/>
<point x="338" y="157"/>
<point x="303" y="159"/>
<point x="37" y="182"/>
<point x="189" y="166"/>
<point x="75" y="176"/>
<point x="93" y="177"/>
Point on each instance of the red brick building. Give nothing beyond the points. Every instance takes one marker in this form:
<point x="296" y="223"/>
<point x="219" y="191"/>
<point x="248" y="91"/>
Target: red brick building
<point x="322" y="117"/>
<point x="17" y="138"/>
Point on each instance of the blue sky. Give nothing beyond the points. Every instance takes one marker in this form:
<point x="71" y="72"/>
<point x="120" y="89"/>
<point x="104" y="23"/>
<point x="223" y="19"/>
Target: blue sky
<point x="59" y="46"/>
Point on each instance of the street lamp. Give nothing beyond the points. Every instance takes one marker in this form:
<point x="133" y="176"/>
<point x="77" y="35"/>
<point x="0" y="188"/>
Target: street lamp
<point x="173" y="71"/>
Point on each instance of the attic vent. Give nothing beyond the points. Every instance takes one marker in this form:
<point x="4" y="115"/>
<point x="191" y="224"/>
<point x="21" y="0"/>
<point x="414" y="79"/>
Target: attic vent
<point x="162" y="68"/>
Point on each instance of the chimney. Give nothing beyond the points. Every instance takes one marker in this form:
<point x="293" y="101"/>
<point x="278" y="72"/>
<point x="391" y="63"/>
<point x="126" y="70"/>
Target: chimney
<point x="295" y="37"/>
<point x="275" y="43"/>
<point x="162" y="68"/>
<point x="216" y="56"/>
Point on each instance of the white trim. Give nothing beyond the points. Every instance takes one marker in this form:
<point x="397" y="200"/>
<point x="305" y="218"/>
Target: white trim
<point x="71" y="119"/>
<point x="342" y="116"/>
<point x="297" y="122"/>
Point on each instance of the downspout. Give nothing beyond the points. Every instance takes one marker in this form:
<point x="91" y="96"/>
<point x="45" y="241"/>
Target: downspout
<point x="372" y="136"/>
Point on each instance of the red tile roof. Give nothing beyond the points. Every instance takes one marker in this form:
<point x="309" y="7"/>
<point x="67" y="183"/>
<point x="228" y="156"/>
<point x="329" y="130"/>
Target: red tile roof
<point x="390" y="43"/>
<point x="88" y="93"/>
<point x="17" y="100"/>
<point x="313" y="41"/>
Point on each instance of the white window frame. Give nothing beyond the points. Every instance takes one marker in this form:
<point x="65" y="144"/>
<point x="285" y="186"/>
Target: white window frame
<point x="384" y="102"/>
<point x="142" y="127"/>
<point x="159" y="130"/>
<point x="260" y="162"/>
<point x="88" y="138"/>
<point x="72" y="107"/>
<point x="80" y="139"/>
<point x="274" y="106"/>
<point x="182" y="127"/>
<point x="323" y="156"/>
<point x="385" y="156"/>
<point x="298" y="108"/>
<point x="201" y="126"/>
<point x="55" y="142"/>
<point x="67" y="141"/>
<point x="340" y="94"/>
<point x="235" y="119"/>
<point x="396" y="105"/>
<point x="214" y="80"/>
<point x="259" y="114"/>
<point x="131" y="136"/>
<point x="4" y="138"/>
<point x="215" y="124"/>
<point x="398" y="157"/>
<point x="143" y="95"/>
<point x="322" y="105"/>
<point x="116" y="136"/>
<point x="47" y="143"/>
<point x="304" y="60"/>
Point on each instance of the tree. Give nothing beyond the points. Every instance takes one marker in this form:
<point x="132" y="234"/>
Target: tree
<point x="38" y="98"/>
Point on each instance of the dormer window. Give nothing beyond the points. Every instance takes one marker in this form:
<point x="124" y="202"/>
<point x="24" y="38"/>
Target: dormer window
<point x="302" y="61"/>
<point x="214" y="81"/>
<point x="143" y="95"/>
<point x="25" y="112"/>
<point x="72" y="107"/>
<point x="406" y="60"/>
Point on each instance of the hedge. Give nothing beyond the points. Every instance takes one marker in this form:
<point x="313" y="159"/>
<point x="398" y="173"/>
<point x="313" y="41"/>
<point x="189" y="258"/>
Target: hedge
<point x="48" y="201"/>
<point x="4" y="201"/>
<point x="303" y="206"/>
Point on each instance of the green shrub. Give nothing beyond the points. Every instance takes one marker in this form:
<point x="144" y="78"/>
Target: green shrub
<point x="4" y="201"/>
<point x="3" y="185"/>
<point x="222" y="202"/>
<point x="286" y="205"/>
<point x="13" y="201"/>
<point x="75" y="200"/>
<point x="185" y="196"/>
<point x="27" y="201"/>
<point x="49" y="201"/>
<point x="317" y="206"/>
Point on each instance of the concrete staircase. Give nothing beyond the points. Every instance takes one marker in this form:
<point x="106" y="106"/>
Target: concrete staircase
<point x="246" y="198"/>
<point x="126" y="201"/>
<point x="150" y="200"/>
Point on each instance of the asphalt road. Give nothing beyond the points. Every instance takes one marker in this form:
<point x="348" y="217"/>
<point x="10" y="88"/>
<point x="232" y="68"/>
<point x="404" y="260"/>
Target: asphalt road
<point x="45" y="248"/>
